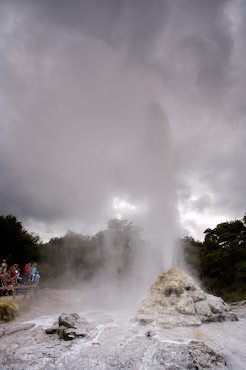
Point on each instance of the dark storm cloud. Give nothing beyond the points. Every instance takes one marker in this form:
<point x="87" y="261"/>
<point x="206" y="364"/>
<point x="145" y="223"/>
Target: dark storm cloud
<point x="134" y="24"/>
<point x="77" y="79"/>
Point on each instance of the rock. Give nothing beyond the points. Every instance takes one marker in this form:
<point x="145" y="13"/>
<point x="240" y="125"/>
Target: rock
<point x="75" y="316"/>
<point x="69" y="333"/>
<point x="186" y="306"/>
<point x="193" y="356"/>
<point x="203" y="357"/>
<point x="66" y="334"/>
<point x="202" y="308"/>
<point x="70" y="327"/>
<point x="52" y="330"/>
<point x="198" y="295"/>
<point x="81" y="333"/>
<point x="66" y="320"/>
<point x="176" y="300"/>
<point x="217" y="304"/>
<point x="230" y="316"/>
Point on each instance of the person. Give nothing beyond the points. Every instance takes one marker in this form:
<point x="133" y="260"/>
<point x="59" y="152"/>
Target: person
<point x="4" y="267"/>
<point x="33" y="271"/>
<point x="27" y="273"/>
<point x="13" y="273"/>
<point x="7" y="283"/>
<point x="36" y="278"/>
<point x="18" y="274"/>
<point x="1" y="281"/>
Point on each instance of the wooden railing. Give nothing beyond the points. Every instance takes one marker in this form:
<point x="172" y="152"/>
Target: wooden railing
<point x="30" y="289"/>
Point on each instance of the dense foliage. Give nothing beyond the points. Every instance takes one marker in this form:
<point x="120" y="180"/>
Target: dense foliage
<point x="221" y="259"/>
<point x="17" y="245"/>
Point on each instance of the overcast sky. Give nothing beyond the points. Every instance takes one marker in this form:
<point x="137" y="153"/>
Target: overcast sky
<point x="78" y="83"/>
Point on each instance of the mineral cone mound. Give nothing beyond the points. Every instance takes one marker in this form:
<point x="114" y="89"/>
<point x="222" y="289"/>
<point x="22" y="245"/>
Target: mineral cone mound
<point x="176" y="300"/>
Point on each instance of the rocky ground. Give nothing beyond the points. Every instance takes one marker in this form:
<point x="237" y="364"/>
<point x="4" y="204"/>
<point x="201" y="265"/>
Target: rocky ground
<point x="115" y="339"/>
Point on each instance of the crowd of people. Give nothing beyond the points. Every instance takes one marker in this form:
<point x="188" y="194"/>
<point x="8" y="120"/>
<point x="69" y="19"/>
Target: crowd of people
<point x="11" y="277"/>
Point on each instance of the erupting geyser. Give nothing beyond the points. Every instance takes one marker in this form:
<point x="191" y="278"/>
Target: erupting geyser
<point x="157" y="188"/>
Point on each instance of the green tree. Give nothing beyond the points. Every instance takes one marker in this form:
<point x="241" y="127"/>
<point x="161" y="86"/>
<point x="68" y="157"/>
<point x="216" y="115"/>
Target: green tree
<point x="17" y="245"/>
<point x="223" y="258"/>
<point x="244" y="219"/>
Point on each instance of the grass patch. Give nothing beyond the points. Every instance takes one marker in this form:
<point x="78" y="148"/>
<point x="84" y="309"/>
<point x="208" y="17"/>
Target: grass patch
<point x="9" y="309"/>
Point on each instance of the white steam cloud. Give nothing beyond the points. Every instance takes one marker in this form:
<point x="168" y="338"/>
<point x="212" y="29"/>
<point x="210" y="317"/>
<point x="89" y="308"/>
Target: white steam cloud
<point x="77" y="141"/>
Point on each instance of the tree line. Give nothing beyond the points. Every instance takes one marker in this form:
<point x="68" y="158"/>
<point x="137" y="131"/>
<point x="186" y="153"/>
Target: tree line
<point x="74" y="255"/>
<point x="219" y="261"/>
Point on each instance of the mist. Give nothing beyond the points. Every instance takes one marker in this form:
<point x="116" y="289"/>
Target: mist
<point x="128" y="110"/>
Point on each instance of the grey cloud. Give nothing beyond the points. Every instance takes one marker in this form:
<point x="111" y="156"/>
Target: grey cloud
<point x="134" y="24"/>
<point x="76" y="84"/>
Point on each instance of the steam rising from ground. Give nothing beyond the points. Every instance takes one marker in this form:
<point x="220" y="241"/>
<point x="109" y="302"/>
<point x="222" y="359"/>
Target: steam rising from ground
<point x="126" y="258"/>
<point x="95" y="96"/>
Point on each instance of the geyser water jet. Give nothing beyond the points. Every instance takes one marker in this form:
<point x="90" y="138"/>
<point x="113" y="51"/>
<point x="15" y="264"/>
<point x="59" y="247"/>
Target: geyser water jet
<point x="153" y="191"/>
<point x="159" y="193"/>
<point x="146" y="197"/>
